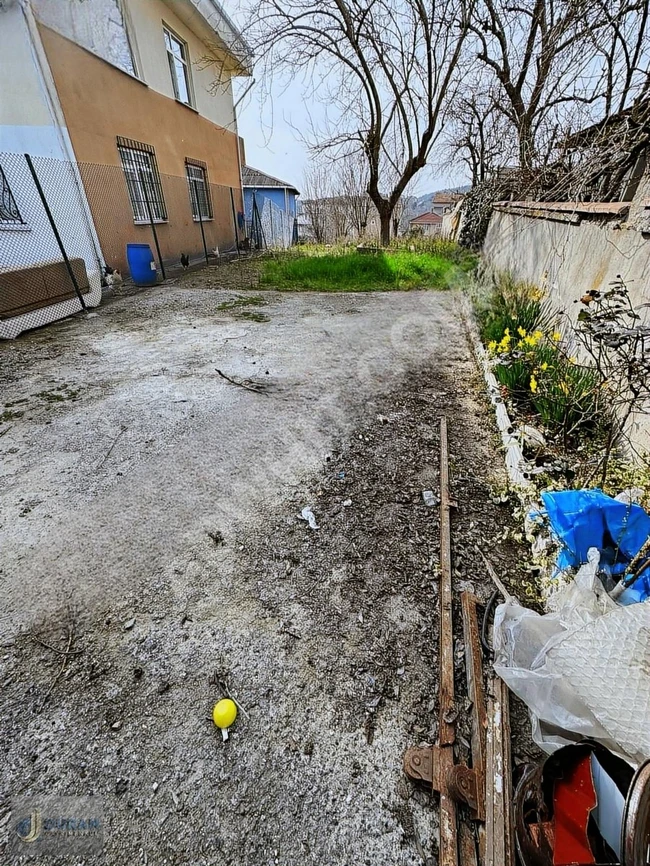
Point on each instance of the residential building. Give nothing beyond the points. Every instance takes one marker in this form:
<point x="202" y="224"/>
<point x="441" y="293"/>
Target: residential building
<point x="273" y="223"/>
<point x="444" y="202"/>
<point x="264" y="186"/>
<point x="338" y="219"/>
<point x="428" y="224"/>
<point x="136" y="97"/>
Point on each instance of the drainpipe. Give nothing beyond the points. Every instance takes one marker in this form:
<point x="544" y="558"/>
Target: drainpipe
<point x="234" y="116"/>
<point x="42" y="66"/>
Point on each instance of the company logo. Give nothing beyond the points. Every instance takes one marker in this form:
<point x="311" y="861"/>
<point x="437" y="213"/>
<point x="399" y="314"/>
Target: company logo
<point x="29" y="829"/>
<point x="56" y="825"/>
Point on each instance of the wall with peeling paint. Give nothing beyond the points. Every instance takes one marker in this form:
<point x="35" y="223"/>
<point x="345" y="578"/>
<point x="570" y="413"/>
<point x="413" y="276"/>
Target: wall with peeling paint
<point x="567" y="259"/>
<point x="97" y="25"/>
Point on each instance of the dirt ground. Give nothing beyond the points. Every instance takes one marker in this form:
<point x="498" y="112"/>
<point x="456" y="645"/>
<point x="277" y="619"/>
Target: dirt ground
<point x="149" y="522"/>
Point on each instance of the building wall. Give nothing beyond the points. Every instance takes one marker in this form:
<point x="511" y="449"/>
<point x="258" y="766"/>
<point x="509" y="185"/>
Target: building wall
<point x="213" y="102"/>
<point x="98" y="25"/>
<point x="29" y="124"/>
<point x="277" y="196"/>
<point x="130" y="109"/>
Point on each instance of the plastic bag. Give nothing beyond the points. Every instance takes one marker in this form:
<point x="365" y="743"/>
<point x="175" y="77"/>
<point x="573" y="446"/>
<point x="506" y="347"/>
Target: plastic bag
<point x="583" y="669"/>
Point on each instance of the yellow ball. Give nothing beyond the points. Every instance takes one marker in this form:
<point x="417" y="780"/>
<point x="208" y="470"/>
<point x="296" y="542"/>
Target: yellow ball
<point x="224" y="713"/>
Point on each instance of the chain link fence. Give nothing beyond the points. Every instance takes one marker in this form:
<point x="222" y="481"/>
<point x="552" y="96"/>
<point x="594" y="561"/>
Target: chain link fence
<point x="65" y="227"/>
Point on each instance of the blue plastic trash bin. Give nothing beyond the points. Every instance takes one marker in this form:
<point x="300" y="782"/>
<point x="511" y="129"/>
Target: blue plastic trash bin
<point x="141" y="264"/>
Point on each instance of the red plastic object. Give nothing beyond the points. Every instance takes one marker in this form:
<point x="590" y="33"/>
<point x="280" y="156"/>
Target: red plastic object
<point x="574" y="797"/>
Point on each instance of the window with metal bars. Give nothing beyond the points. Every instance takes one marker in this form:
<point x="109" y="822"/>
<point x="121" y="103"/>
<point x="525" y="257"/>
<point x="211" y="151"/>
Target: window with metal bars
<point x="142" y="180"/>
<point x="9" y="213"/>
<point x="197" y="180"/>
<point x="178" y="59"/>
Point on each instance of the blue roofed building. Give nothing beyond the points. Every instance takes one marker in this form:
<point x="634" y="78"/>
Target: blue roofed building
<point x="274" y="198"/>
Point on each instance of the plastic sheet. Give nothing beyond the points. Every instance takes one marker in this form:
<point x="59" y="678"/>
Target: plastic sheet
<point x="583" y="669"/>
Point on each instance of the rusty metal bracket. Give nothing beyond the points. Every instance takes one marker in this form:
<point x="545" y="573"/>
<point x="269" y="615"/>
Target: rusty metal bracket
<point x="463" y="786"/>
<point x="423" y="765"/>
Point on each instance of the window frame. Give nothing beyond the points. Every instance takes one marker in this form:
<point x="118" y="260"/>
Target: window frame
<point x="137" y="157"/>
<point x="184" y="58"/>
<point x="196" y="165"/>
<point x="14" y="220"/>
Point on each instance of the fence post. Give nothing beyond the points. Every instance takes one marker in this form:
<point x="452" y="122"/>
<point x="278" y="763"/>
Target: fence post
<point x="198" y="210"/>
<point x="48" y="213"/>
<point x="153" y="225"/>
<point x="234" y="221"/>
<point x="257" y="232"/>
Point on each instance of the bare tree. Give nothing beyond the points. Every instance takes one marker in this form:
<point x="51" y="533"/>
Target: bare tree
<point x="384" y="68"/>
<point x="558" y="60"/>
<point x="479" y="136"/>
<point x="316" y="193"/>
<point x="352" y="183"/>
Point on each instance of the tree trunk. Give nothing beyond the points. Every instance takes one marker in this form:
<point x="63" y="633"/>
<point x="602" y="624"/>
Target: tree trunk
<point x="526" y="145"/>
<point x="384" y="221"/>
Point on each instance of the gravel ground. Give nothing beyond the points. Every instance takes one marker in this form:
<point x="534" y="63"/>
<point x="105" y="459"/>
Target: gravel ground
<point x="149" y="522"/>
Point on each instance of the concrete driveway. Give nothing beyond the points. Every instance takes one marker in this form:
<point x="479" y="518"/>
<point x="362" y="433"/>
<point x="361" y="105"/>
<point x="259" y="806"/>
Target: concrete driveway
<point x="149" y="526"/>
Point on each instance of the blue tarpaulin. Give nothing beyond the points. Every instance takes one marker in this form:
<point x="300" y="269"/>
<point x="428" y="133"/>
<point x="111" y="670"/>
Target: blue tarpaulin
<point x="581" y="519"/>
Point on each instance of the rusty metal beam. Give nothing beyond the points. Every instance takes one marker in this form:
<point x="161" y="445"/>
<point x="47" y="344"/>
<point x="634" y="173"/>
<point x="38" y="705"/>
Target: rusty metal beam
<point x="447" y="735"/>
<point x="467" y="847"/>
<point x="476" y="693"/>
<point x="447" y="731"/>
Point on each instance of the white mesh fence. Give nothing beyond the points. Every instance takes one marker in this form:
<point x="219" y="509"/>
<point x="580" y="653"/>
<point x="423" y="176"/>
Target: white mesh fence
<point x="277" y="225"/>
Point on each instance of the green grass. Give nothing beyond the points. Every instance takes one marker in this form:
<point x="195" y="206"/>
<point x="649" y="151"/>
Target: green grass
<point x="351" y="271"/>
<point x="242" y="301"/>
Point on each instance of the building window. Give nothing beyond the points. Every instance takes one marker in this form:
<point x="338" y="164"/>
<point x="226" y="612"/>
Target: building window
<point x="142" y="180"/>
<point x="178" y="57"/>
<point x="9" y="213"/>
<point x="197" y="180"/>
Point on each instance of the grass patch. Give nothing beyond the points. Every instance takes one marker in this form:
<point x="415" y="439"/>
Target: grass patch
<point x="239" y="306"/>
<point x="59" y="395"/>
<point x="10" y="415"/>
<point x="350" y="271"/>
<point x="242" y="301"/>
<point x="253" y="316"/>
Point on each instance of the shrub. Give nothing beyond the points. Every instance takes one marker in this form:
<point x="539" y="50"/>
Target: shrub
<point x="509" y="305"/>
<point x="540" y="377"/>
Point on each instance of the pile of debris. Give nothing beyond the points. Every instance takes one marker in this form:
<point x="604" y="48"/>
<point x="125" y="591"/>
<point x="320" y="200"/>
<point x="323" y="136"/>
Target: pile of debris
<point x="583" y="670"/>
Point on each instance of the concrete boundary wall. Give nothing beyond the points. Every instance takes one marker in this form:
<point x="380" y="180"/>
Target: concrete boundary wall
<point x="567" y="248"/>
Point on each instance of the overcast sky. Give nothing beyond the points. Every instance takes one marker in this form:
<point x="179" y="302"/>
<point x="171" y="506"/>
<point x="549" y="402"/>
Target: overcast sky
<point x="272" y="136"/>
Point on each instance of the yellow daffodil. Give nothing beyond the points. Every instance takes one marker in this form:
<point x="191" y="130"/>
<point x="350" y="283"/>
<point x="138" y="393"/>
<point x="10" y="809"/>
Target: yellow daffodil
<point x="492" y="345"/>
<point x="573" y="359"/>
<point x="556" y="336"/>
<point x="543" y="367"/>
<point x="564" y="388"/>
<point x="521" y="331"/>
<point x="533" y="383"/>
